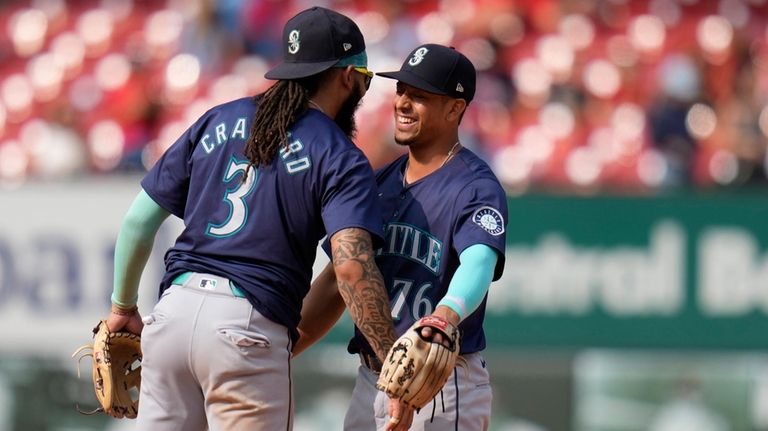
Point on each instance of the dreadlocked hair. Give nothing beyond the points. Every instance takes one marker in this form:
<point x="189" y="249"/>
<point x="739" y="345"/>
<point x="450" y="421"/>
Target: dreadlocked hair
<point x="278" y="108"/>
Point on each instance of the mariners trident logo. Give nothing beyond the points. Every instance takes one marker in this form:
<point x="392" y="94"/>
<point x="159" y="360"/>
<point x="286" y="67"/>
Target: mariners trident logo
<point x="490" y="220"/>
<point x="418" y="56"/>
<point x="293" y="42"/>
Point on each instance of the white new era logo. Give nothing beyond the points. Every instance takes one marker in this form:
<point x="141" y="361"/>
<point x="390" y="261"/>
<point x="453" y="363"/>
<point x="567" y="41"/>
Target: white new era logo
<point x="459" y="88"/>
<point x="347" y="46"/>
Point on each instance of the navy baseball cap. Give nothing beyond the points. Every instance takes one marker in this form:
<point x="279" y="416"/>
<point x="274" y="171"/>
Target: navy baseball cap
<point x="316" y="39"/>
<point x="438" y="69"/>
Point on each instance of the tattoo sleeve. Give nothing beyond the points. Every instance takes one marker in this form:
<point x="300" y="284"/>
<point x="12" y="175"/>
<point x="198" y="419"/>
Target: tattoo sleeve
<point x="362" y="287"/>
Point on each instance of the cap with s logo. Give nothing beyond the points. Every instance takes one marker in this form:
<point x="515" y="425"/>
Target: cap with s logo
<point x="316" y="39"/>
<point x="438" y="69"/>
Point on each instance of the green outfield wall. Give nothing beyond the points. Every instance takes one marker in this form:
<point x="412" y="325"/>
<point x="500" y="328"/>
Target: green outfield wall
<point x="679" y="271"/>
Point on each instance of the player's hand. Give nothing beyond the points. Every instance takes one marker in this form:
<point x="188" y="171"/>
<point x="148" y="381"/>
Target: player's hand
<point x="120" y="321"/>
<point x="400" y="416"/>
<point x="428" y="334"/>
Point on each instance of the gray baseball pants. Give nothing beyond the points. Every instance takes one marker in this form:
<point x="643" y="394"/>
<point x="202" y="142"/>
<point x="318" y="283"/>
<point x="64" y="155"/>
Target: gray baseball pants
<point x="464" y="404"/>
<point x="211" y="361"/>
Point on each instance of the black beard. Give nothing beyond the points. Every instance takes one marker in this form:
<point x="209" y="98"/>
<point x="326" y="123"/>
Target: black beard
<point x="345" y="119"/>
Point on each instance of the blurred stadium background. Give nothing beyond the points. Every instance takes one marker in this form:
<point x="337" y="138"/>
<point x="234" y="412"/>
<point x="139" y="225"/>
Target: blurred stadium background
<point x="631" y="137"/>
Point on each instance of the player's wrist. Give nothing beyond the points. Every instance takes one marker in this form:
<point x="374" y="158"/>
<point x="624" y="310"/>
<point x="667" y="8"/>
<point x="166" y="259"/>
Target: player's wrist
<point x="446" y="312"/>
<point x="123" y="310"/>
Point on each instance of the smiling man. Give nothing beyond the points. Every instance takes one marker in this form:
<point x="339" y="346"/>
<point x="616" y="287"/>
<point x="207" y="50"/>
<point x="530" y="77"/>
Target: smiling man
<point x="445" y="215"/>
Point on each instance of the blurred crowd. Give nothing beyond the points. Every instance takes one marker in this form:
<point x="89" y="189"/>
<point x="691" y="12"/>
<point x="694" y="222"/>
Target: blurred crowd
<point x="573" y="95"/>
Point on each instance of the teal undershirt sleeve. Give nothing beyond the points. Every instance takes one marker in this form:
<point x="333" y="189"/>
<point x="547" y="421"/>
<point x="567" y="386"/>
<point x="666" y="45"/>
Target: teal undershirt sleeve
<point x="133" y="246"/>
<point x="471" y="280"/>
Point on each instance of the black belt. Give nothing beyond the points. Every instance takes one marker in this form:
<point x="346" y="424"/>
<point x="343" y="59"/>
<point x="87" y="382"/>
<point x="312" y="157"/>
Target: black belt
<point x="370" y="361"/>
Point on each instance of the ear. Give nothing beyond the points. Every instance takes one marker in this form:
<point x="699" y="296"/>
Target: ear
<point x="347" y="78"/>
<point x="456" y="109"/>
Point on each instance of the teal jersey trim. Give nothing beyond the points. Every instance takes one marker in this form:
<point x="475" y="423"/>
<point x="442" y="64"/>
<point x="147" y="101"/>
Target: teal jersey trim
<point x="471" y="280"/>
<point x="183" y="277"/>
<point x="133" y="246"/>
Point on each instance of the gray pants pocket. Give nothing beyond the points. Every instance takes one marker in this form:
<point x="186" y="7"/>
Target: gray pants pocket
<point x="244" y="339"/>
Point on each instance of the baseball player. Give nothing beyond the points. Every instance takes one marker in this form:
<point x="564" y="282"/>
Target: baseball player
<point x="445" y="215"/>
<point x="258" y="182"/>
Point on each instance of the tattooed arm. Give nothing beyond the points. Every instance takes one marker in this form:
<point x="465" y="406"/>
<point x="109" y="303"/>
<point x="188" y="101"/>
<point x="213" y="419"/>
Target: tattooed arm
<point x="362" y="288"/>
<point x="354" y="272"/>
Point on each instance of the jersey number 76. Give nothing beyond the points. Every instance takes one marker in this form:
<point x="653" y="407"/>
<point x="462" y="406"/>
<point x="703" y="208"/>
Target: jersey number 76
<point x="420" y="306"/>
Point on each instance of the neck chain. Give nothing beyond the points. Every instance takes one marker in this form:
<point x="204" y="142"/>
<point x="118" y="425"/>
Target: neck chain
<point x="451" y="152"/>
<point x="313" y="103"/>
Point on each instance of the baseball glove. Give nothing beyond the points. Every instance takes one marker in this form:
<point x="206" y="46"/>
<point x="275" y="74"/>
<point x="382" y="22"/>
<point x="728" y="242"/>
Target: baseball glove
<point x="416" y="368"/>
<point x="115" y="379"/>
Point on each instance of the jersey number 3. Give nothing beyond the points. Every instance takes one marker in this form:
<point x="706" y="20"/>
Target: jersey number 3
<point x="238" y="210"/>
